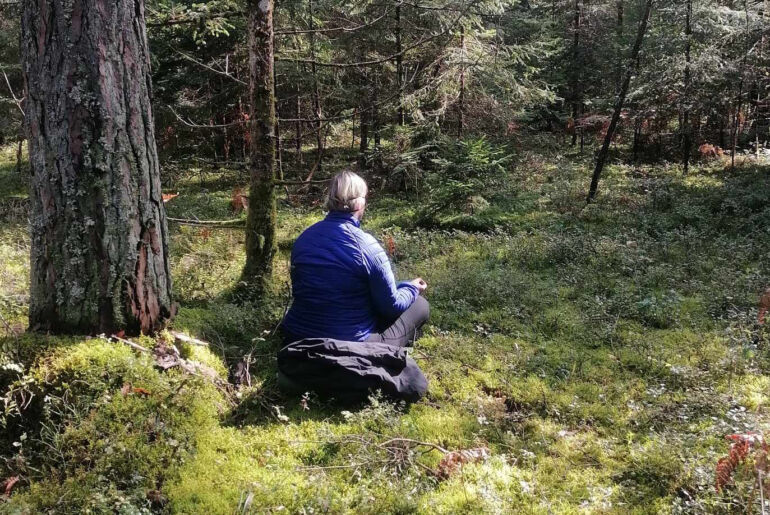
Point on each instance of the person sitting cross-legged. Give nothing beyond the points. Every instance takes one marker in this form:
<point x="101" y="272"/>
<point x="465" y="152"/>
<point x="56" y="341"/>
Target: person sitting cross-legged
<point x="342" y="282"/>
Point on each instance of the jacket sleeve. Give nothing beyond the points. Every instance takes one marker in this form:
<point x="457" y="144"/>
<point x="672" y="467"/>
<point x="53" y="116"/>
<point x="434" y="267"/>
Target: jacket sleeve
<point x="389" y="300"/>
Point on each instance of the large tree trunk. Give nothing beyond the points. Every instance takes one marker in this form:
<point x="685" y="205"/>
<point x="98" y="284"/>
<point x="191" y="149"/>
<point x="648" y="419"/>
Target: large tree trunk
<point x="632" y="64"/>
<point x="99" y="236"/>
<point x="260" y="224"/>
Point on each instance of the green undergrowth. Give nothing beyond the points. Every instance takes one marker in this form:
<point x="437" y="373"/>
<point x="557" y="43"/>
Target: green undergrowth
<point x="600" y="353"/>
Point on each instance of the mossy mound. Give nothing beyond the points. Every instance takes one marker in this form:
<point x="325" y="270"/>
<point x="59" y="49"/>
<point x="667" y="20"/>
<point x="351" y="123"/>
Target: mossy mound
<point x="94" y="425"/>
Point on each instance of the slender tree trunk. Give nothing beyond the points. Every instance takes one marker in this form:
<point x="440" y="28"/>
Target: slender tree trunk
<point x="619" y="33"/>
<point x="316" y="94"/>
<point x="365" y="109"/>
<point x="631" y="67"/>
<point x="260" y="224"/>
<point x="575" y="94"/>
<point x="758" y="111"/>
<point x="686" y="129"/>
<point x="376" y="111"/>
<point x="363" y="146"/>
<point x="722" y="123"/>
<point x="298" y="109"/>
<point x="298" y="127"/>
<point x="99" y="257"/>
<point x="461" y="102"/>
<point x="637" y="137"/>
<point x="19" y="156"/>
<point x="739" y="100"/>
<point x="399" y="68"/>
<point x="278" y="152"/>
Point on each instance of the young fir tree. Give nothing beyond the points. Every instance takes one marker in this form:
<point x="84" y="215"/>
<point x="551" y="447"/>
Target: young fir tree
<point x="260" y="225"/>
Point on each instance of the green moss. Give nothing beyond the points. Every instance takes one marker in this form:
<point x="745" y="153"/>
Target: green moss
<point x="105" y="426"/>
<point x="600" y="352"/>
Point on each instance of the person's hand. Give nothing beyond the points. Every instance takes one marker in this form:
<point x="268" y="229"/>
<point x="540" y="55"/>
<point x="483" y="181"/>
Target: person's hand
<point x="420" y="284"/>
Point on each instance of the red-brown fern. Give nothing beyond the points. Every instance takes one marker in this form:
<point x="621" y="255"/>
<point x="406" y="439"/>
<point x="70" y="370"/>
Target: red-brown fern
<point x="739" y="451"/>
<point x="390" y="245"/>
<point x="764" y="305"/>
<point x="239" y="202"/>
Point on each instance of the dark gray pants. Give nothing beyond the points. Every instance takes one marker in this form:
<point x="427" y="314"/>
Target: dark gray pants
<point x="407" y="328"/>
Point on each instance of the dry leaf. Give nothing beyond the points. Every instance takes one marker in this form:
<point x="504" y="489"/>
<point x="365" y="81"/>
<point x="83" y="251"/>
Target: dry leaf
<point x="452" y="461"/>
<point x="8" y="485"/>
<point x="764" y="305"/>
<point x="390" y="246"/>
<point x="128" y="389"/>
<point x="239" y="202"/>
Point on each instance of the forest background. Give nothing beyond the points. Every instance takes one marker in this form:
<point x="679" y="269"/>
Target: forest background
<point x="582" y="183"/>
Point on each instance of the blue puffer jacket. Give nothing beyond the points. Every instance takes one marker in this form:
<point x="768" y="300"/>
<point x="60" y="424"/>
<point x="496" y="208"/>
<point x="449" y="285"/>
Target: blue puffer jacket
<point x="342" y="283"/>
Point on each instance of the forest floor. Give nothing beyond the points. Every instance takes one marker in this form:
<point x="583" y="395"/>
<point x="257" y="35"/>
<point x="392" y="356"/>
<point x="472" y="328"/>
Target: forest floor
<point x="601" y="354"/>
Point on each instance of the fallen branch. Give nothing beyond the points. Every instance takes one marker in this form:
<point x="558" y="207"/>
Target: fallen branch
<point x="131" y="344"/>
<point x="167" y="356"/>
<point x="236" y="222"/>
<point x="300" y="183"/>
<point x="179" y="337"/>
<point x="415" y="443"/>
<point x="8" y="327"/>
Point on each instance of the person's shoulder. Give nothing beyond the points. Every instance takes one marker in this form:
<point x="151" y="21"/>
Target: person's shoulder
<point x="364" y="239"/>
<point x="370" y="247"/>
<point x="310" y="236"/>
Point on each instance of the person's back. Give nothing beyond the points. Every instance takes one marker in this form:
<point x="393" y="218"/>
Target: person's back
<point x="342" y="283"/>
<point x="330" y="283"/>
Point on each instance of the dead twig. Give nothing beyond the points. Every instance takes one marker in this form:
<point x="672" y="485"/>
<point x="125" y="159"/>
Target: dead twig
<point x="180" y="337"/>
<point x="221" y="224"/>
<point x="8" y="327"/>
<point x="167" y="356"/>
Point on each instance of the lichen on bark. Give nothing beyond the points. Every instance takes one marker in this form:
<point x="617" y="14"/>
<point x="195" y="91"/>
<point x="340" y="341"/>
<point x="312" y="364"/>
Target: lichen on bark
<point x="99" y="234"/>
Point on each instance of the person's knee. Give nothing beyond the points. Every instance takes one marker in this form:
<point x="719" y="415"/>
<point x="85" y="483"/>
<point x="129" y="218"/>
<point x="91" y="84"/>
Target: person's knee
<point x="422" y="306"/>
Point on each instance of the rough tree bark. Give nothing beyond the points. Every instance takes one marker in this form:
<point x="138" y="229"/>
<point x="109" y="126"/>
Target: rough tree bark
<point x="98" y="227"/>
<point x="260" y="223"/>
<point x="633" y="62"/>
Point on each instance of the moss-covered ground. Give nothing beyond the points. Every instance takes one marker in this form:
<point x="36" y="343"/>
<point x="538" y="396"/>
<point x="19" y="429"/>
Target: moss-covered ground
<point x="600" y="353"/>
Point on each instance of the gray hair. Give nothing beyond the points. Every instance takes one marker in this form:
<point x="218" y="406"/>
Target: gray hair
<point x="347" y="192"/>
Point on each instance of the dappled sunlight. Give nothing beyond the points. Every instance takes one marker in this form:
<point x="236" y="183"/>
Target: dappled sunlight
<point x="585" y="348"/>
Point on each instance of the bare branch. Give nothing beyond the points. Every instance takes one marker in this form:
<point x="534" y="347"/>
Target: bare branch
<point x="13" y="95"/>
<point x="334" y="29"/>
<point x="391" y="57"/>
<point x="206" y="66"/>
